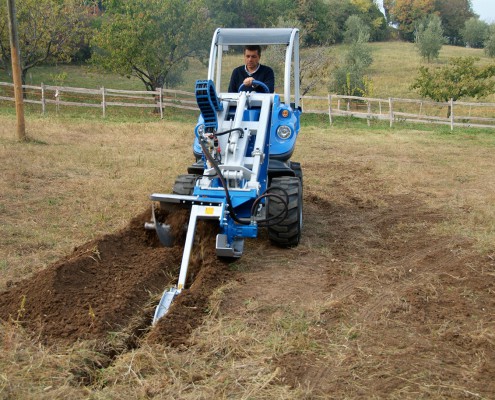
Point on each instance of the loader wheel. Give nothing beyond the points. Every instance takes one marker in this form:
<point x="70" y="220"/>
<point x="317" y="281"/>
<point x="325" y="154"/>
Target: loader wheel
<point x="184" y="184"/>
<point x="286" y="233"/>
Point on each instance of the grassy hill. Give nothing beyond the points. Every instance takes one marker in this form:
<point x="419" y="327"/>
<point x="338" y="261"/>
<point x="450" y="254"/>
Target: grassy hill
<point x="393" y="70"/>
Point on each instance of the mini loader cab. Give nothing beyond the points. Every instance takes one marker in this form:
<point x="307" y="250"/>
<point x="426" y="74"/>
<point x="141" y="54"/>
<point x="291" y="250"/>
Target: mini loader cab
<point x="243" y="176"/>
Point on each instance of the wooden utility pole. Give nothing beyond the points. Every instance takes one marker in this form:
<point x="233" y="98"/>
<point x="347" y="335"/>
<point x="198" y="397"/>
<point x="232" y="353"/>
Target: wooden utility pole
<point x="16" y="72"/>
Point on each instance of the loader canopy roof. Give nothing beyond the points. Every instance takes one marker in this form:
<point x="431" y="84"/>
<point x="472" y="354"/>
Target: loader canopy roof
<point x="224" y="37"/>
<point x="253" y="36"/>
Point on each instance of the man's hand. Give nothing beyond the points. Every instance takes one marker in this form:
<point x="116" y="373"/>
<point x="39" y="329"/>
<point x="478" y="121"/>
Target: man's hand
<point x="248" y="81"/>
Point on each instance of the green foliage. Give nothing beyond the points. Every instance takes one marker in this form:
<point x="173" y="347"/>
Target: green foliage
<point x="248" y="13"/>
<point x="475" y="32"/>
<point x="356" y="30"/>
<point x="454" y="14"/>
<point x="459" y="78"/>
<point x="429" y="38"/>
<point x="324" y="20"/>
<point x="350" y="77"/>
<point x="490" y="42"/>
<point x="407" y="13"/>
<point x="152" y="39"/>
<point x="48" y="30"/>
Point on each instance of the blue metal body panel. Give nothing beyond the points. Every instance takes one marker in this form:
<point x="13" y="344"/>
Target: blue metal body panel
<point x="242" y="199"/>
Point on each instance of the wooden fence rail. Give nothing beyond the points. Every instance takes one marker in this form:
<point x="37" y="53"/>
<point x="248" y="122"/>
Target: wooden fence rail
<point x="103" y="98"/>
<point x="465" y="114"/>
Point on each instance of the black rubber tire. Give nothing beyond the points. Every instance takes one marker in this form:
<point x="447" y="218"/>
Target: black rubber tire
<point x="285" y="233"/>
<point x="184" y="184"/>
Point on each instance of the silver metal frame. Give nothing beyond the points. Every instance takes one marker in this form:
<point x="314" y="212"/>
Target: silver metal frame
<point x="261" y="36"/>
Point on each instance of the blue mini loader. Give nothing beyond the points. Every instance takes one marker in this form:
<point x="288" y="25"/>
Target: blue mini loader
<point x="243" y="176"/>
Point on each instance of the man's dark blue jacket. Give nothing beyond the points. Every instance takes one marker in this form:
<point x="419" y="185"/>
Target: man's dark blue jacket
<point x="263" y="74"/>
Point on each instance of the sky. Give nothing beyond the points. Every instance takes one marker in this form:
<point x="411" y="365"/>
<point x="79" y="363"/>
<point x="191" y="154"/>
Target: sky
<point x="484" y="8"/>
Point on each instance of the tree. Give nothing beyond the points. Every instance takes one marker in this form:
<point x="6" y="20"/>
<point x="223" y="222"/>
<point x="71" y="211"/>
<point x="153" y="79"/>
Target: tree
<point x="315" y="15"/>
<point x="429" y="38"/>
<point x="459" y="78"/>
<point x="152" y="39"/>
<point x="490" y="42"/>
<point x="356" y="30"/>
<point x="407" y="13"/>
<point x="475" y="32"/>
<point x="372" y="17"/>
<point x="350" y="77"/>
<point x="248" y="13"/>
<point x="49" y="30"/>
<point x="454" y="14"/>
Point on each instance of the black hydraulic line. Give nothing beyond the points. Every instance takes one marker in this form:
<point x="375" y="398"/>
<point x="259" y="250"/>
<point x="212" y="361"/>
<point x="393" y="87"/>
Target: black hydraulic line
<point x="282" y="215"/>
<point x="224" y="184"/>
<point x="229" y="131"/>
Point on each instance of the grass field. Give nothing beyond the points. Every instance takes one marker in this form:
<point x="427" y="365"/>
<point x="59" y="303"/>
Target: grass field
<point x="390" y="293"/>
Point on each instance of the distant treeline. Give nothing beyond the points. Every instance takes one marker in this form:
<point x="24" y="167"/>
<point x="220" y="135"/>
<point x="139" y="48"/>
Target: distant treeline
<point x="324" y="20"/>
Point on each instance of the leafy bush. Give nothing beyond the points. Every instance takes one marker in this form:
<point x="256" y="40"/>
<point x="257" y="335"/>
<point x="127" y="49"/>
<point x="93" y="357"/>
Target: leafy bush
<point x="459" y="78"/>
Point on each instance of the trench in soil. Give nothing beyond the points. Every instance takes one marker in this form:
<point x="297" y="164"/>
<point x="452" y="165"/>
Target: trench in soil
<point x="106" y="291"/>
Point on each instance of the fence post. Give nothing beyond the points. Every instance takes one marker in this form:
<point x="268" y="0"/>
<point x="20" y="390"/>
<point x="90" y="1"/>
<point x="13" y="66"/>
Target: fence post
<point x="161" y="102"/>
<point x="57" y="100"/>
<point x="103" y="102"/>
<point x="451" y="114"/>
<point x="43" y="100"/>
<point x="369" y="114"/>
<point x="330" y="108"/>
<point x="391" y="112"/>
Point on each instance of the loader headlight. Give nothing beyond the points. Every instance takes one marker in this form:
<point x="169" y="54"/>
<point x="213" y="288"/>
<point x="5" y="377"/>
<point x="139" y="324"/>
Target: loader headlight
<point x="201" y="130"/>
<point x="283" y="132"/>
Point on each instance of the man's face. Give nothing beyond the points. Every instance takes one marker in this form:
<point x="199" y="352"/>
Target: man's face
<point x="251" y="58"/>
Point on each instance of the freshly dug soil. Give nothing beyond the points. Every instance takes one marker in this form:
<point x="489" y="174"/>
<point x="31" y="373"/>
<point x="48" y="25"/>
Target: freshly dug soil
<point x="113" y="281"/>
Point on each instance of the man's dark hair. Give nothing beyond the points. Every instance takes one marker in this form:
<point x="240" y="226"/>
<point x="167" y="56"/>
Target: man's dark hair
<point x="253" y="47"/>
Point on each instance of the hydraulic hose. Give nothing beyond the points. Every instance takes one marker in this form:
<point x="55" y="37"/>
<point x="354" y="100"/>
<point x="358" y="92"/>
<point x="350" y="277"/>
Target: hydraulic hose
<point x="282" y="215"/>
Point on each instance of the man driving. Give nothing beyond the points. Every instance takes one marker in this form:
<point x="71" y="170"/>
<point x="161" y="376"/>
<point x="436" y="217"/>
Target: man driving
<point x="251" y="71"/>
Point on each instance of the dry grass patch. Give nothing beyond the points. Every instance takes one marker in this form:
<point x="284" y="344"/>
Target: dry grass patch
<point x="75" y="181"/>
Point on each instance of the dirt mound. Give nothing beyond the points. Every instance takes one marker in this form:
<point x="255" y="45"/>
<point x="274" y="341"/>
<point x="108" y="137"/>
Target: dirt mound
<point x="108" y="283"/>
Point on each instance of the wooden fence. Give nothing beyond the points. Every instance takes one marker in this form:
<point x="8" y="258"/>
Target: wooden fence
<point x="453" y="113"/>
<point x="102" y="98"/>
<point x="464" y="114"/>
